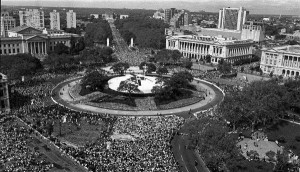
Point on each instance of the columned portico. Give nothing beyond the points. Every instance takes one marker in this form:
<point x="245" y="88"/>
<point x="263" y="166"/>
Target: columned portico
<point x="37" y="47"/>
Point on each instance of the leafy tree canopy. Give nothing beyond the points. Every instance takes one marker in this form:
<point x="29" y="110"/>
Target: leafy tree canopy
<point x="150" y="67"/>
<point x="168" y="56"/>
<point x="97" y="33"/>
<point x="15" y="66"/>
<point x="95" y="80"/>
<point x="120" y="67"/>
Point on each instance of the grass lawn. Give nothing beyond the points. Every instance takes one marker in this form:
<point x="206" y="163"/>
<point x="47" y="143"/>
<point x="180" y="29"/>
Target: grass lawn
<point x="85" y="133"/>
<point x="288" y="131"/>
<point x="116" y="99"/>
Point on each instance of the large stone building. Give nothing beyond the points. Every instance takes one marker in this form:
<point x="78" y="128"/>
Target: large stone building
<point x="283" y="60"/>
<point x="4" y="96"/>
<point x="32" y="18"/>
<point x="198" y="47"/>
<point x="232" y="18"/>
<point x="7" y="22"/>
<point x="71" y="19"/>
<point x="254" y="31"/>
<point x="54" y="20"/>
<point x="24" y="39"/>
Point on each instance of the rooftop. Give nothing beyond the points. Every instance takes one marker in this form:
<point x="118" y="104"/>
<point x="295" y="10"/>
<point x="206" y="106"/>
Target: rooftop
<point x="285" y="49"/>
<point x="211" y="39"/>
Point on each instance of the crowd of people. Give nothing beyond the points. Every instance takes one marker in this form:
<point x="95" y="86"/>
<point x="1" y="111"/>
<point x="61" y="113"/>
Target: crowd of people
<point x="15" y="152"/>
<point x="150" y="150"/>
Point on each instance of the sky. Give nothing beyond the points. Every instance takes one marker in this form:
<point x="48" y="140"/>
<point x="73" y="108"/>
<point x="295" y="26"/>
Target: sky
<point x="284" y="7"/>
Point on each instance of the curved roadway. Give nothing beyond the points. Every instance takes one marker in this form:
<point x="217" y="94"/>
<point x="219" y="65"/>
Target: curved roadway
<point x="188" y="159"/>
<point x="214" y="97"/>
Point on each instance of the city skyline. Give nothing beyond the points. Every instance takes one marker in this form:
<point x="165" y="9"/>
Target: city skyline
<point x="275" y="7"/>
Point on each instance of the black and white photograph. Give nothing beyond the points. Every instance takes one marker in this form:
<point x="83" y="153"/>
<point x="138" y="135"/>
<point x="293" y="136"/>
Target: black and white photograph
<point x="150" y="86"/>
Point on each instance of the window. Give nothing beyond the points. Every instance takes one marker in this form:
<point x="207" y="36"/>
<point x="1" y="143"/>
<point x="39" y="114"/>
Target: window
<point x="4" y="51"/>
<point x="275" y="61"/>
<point x="9" y="51"/>
<point x="14" y="51"/>
<point x="18" y="50"/>
<point x="8" y="45"/>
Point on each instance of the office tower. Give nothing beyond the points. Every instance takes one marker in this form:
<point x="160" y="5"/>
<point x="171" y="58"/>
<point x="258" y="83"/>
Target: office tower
<point x="54" y="20"/>
<point x="32" y="18"/>
<point x="232" y="18"/>
<point x="7" y="22"/>
<point x="71" y="19"/>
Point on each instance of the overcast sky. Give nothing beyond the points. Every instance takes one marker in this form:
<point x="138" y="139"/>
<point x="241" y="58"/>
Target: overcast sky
<point x="285" y="7"/>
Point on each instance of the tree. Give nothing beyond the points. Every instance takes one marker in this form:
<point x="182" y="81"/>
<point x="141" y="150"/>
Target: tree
<point x="174" y="87"/>
<point x="271" y="74"/>
<point x="129" y="87"/>
<point x="208" y="58"/>
<point x="168" y="56"/>
<point x="95" y="80"/>
<point x="97" y="33"/>
<point x="120" y="67"/>
<point x="61" y="48"/>
<point x="150" y="67"/>
<point x="224" y="66"/>
<point x="162" y="70"/>
<point x="56" y="62"/>
<point x="186" y="63"/>
<point x="15" y="66"/>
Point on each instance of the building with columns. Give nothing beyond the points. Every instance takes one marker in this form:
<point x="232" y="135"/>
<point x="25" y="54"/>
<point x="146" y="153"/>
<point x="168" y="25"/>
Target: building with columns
<point x="197" y="47"/>
<point x="284" y="60"/>
<point x="24" y="39"/>
<point x="54" y="20"/>
<point x="33" y="18"/>
<point x="7" y="22"/>
<point x="4" y="96"/>
<point x="71" y="19"/>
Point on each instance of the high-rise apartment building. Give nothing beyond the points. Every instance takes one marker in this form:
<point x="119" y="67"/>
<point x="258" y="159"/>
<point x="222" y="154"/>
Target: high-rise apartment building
<point x="187" y="19"/>
<point x="54" y="20"/>
<point x="32" y="18"/>
<point x="168" y="15"/>
<point x="7" y="22"/>
<point x="232" y="18"/>
<point x="71" y="19"/>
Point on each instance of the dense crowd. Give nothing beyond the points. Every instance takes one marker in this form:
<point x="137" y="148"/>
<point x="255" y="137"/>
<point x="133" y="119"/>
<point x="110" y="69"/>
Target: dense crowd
<point x="15" y="152"/>
<point x="149" y="151"/>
